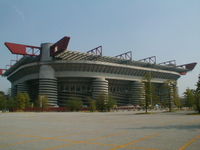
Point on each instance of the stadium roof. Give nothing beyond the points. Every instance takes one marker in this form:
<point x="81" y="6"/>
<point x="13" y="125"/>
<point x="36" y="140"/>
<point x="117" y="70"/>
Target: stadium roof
<point x="75" y="55"/>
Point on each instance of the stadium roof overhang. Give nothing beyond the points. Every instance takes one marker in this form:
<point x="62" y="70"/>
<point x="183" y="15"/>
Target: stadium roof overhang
<point x="74" y="55"/>
<point x="59" y="52"/>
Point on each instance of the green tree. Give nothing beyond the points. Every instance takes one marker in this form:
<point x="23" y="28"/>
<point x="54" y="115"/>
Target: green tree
<point x="176" y="98"/>
<point x="177" y="102"/>
<point x="42" y="101"/>
<point x="23" y="100"/>
<point x="197" y="102"/>
<point x="20" y="101"/>
<point x="189" y="96"/>
<point x="74" y="104"/>
<point x="101" y="102"/>
<point x="169" y="85"/>
<point x="111" y="103"/>
<point x="11" y="103"/>
<point x="197" y="96"/>
<point x="2" y="101"/>
<point x="155" y="96"/>
<point x="105" y="103"/>
<point x="2" y="93"/>
<point x="27" y="100"/>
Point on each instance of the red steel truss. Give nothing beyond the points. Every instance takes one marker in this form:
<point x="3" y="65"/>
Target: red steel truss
<point x="22" y="49"/>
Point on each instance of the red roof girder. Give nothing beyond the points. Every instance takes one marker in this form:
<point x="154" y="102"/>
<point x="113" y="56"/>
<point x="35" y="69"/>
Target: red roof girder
<point x="21" y="49"/>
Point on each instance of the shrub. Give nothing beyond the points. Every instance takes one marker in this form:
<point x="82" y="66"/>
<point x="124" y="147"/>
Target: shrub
<point x="11" y="104"/>
<point x="105" y="103"/>
<point x="111" y="103"/>
<point x="2" y="101"/>
<point x="101" y="102"/>
<point x="92" y="104"/>
<point x="23" y="101"/>
<point x="41" y="102"/>
<point x="74" y="104"/>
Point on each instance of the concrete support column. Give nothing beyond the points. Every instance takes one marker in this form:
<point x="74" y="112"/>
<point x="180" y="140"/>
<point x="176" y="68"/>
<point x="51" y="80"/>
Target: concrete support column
<point x="99" y="87"/>
<point x="167" y="94"/>
<point x="47" y="80"/>
<point x="45" y="52"/>
<point x="172" y="95"/>
<point x="137" y="93"/>
<point x="163" y="92"/>
<point x="48" y="87"/>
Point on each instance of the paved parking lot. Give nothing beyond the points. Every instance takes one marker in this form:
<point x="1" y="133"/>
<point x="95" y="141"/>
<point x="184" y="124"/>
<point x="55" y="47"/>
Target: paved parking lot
<point x="99" y="131"/>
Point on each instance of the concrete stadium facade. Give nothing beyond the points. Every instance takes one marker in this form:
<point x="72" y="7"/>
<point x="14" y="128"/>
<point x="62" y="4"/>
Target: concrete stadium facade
<point x="72" y="73"/>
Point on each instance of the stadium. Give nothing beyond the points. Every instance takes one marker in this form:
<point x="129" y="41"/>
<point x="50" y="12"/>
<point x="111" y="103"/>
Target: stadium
<point x="60" y="73"/>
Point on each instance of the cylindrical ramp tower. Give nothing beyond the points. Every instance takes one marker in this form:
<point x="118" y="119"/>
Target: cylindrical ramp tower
<point x="137" y="93"/>
<point x="47" y="80"/>
<point x="167" y="94"/>
<point x="22" y="87"/>
<point x="48" y="87"/>
<point x="99" y="87"/>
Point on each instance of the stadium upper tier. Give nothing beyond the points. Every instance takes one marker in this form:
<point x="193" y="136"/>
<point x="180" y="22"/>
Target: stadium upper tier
<point x="81" y="56"/>
<point x="74" y="55"/>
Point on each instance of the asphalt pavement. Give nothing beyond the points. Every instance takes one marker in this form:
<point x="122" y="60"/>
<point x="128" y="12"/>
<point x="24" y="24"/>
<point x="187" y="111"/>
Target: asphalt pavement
<point x="129" y="130"/>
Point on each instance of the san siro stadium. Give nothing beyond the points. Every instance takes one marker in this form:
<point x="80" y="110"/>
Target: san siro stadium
<point x="60" y="73"/>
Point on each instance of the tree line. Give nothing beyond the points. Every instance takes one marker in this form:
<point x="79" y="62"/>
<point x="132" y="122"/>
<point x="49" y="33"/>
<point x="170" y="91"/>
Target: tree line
<point x="22" y="102"/>
<point x="192" y="97"/>
<point x="102" y="103"/>
<point x="165" y="99"/>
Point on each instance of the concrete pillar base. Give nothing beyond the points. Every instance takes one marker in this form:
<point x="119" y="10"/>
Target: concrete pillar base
<point x="137" y="93"/>
<point x="99" y="87"/>
<point x="48" y="87"/>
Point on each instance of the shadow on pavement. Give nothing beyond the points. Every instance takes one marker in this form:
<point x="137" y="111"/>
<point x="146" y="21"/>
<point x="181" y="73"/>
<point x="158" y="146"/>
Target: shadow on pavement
<point x="179" y="127"/>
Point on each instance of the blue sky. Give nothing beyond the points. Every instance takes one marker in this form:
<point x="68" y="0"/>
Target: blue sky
<point x="168" y="29"/>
